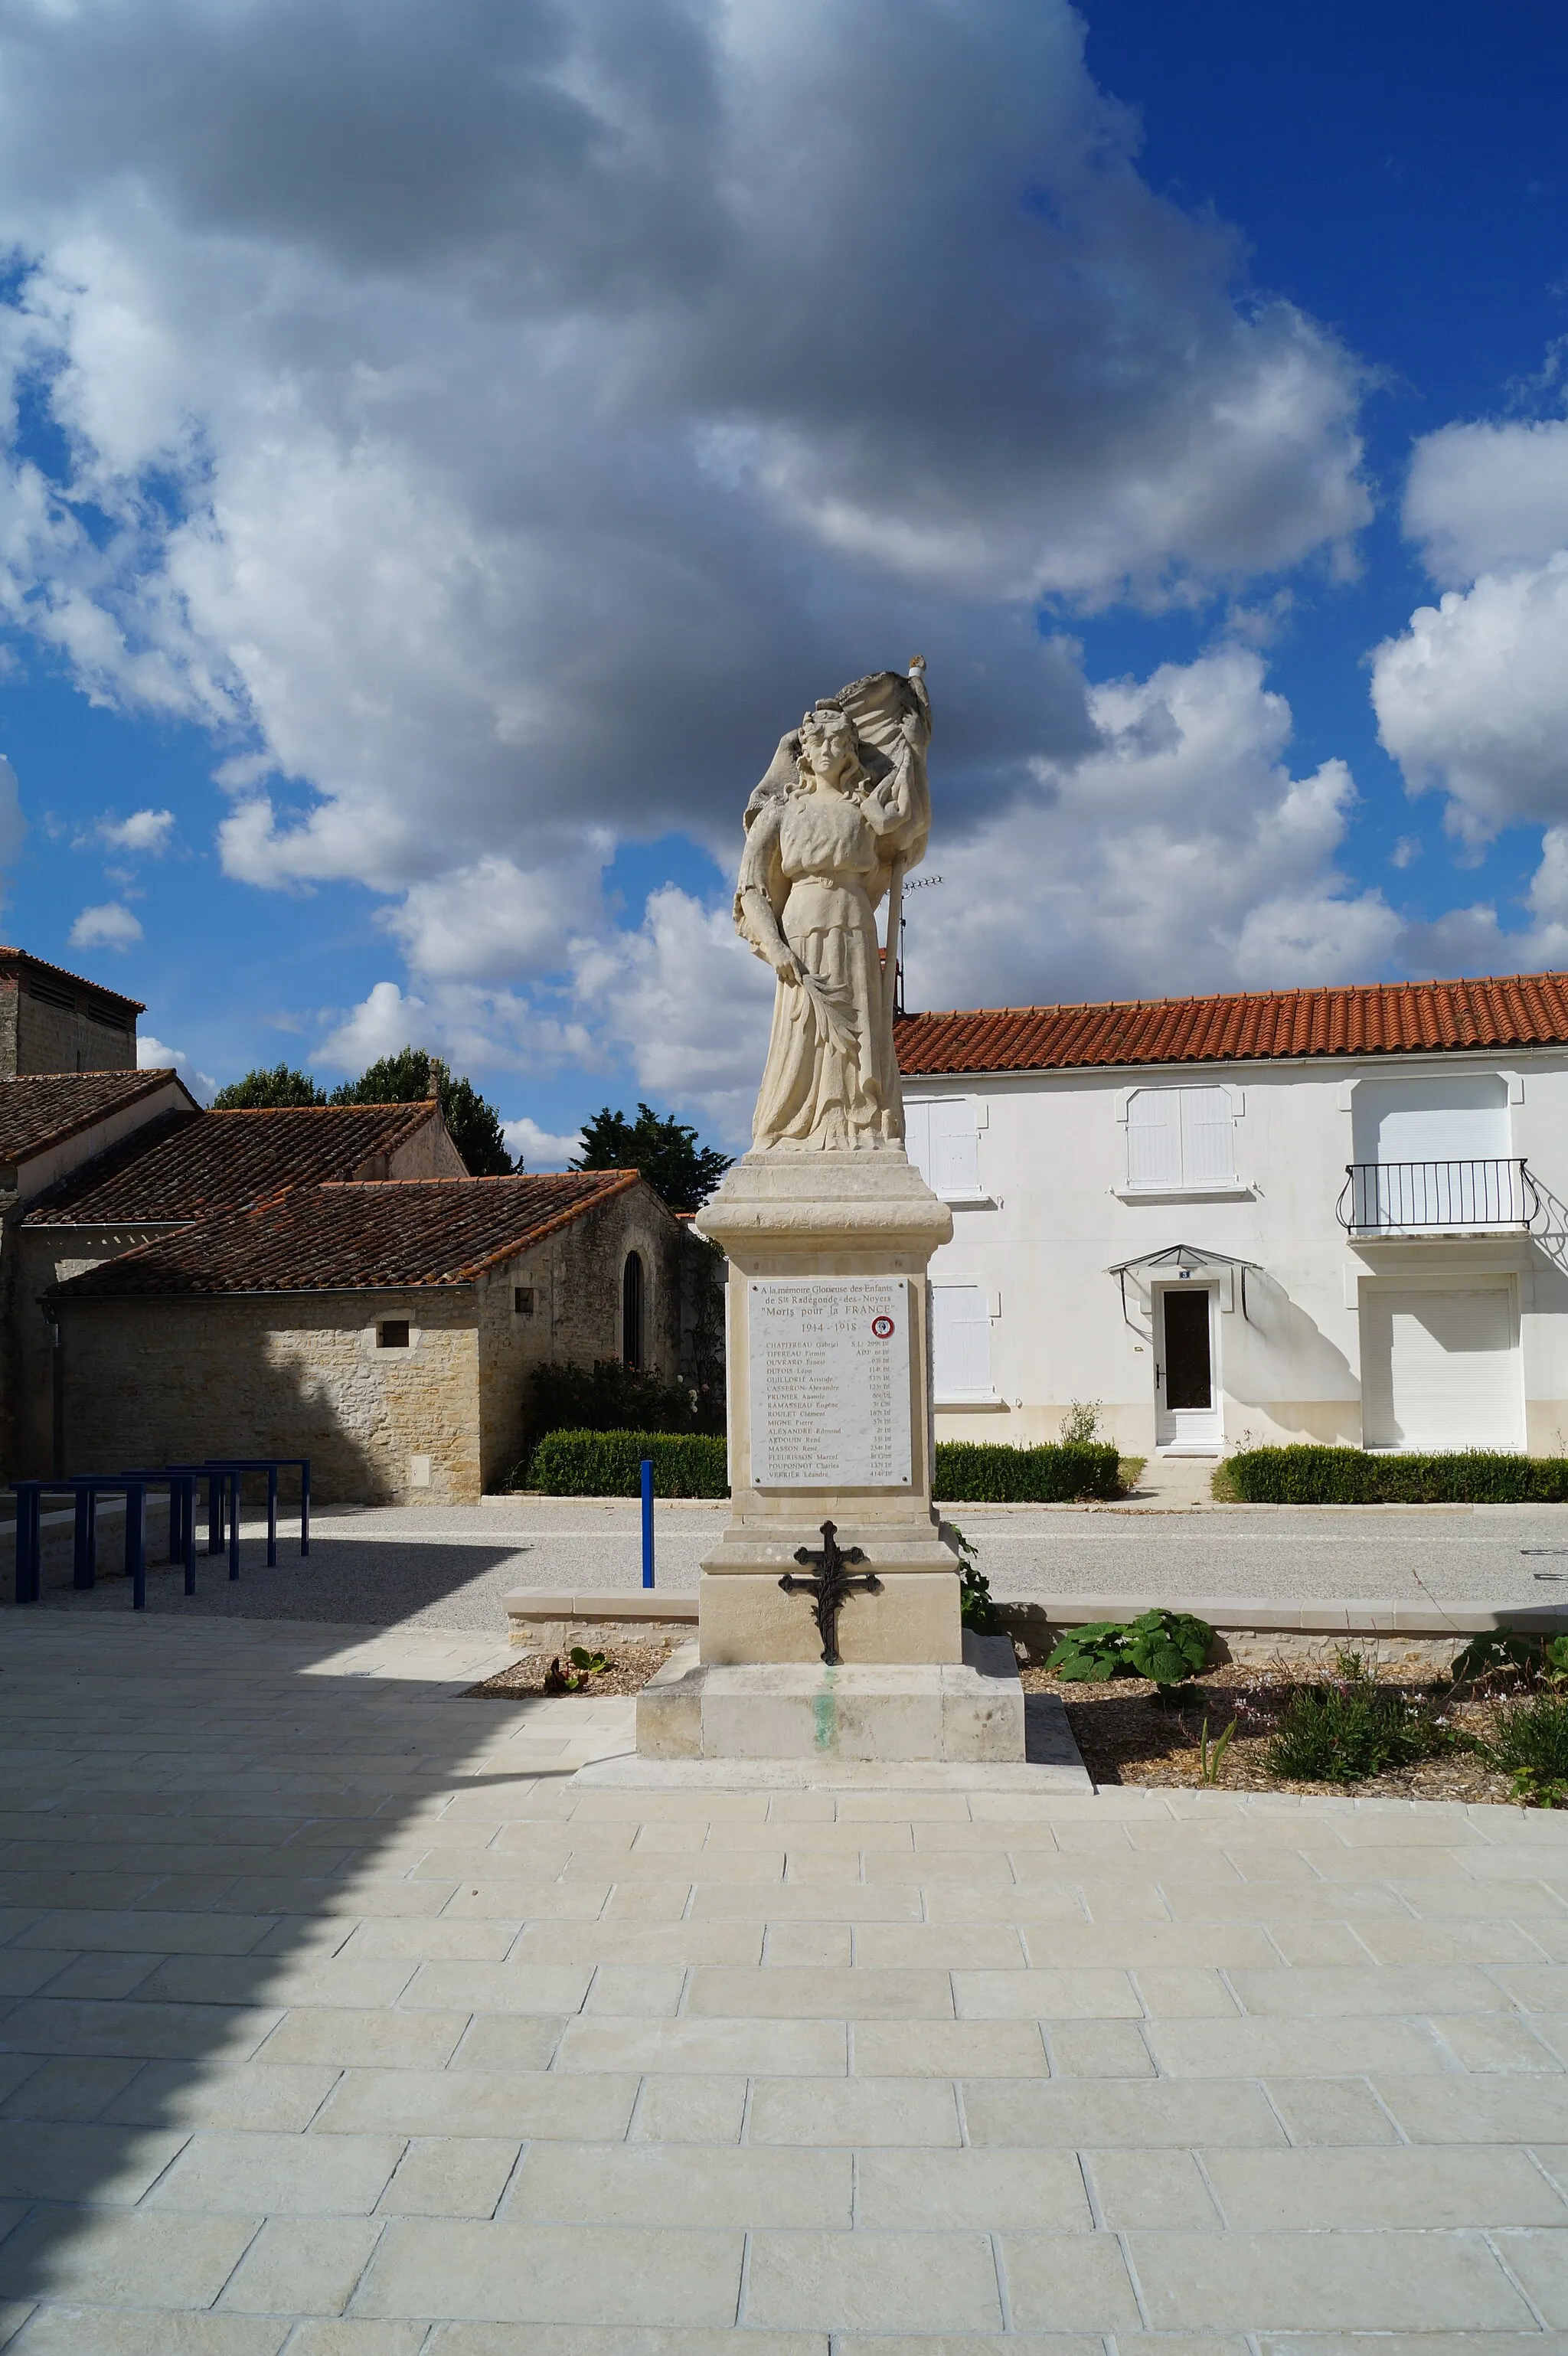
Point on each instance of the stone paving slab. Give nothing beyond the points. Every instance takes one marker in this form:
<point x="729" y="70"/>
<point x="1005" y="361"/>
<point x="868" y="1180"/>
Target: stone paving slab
<point x="341" y="2016"/>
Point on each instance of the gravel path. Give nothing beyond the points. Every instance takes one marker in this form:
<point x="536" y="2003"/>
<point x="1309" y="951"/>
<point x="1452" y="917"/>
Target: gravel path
<point x="449" y="1567"/>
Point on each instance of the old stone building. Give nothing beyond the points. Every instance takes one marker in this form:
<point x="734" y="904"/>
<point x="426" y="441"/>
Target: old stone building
<point x="383" y="1328"/>
<point x="51" y="1020"/>
<point x="166" y="1165"/>
<point x="52" y="1125"/>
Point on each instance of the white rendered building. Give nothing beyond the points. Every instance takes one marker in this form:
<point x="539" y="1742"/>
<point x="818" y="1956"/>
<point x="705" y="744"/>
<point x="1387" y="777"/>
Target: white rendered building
<point x="1317" y="1215"/>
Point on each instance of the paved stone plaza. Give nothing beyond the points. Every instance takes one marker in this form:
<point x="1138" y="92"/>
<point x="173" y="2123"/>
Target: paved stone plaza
<point x="337" y="2019"/>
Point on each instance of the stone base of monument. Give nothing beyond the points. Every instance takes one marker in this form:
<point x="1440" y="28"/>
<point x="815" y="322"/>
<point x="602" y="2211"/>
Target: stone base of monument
<point x="970" y="1711"/>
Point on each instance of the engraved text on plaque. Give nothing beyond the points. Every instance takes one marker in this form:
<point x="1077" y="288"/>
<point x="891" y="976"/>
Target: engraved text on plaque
<point x="830" y="1383"/>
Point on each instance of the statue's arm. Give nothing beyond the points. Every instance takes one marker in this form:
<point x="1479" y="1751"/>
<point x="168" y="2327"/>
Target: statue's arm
<point x="761" y="891"/>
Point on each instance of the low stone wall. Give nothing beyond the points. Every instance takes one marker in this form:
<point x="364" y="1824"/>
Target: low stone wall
<point x="1256" y="1633"/>
<point x="546" y="1621"/>
<point x="56" y="1541"/>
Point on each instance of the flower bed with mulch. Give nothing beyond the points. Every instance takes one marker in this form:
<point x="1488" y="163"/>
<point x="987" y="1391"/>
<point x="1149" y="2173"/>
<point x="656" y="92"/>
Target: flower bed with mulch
<point x="630" y="1668"/>
<point x="1127" y="1734"/>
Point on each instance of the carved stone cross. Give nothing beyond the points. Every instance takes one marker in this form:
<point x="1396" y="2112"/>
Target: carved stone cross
<point x="832" y="1583"/>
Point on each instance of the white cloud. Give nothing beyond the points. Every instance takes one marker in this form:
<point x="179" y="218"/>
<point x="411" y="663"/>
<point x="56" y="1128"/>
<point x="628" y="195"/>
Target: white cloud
<point x="498" y="425"/>
<point x="540" y="1149"/>
<point x="1472" y="699"/>
<point x="1487" y="499"/>
<point x="1181" y="855"/>
<point x="152" y="1056"/>
<point x="109" y="926"/>
<point x="146" y="829"/>
<point x="378" y="1026"/>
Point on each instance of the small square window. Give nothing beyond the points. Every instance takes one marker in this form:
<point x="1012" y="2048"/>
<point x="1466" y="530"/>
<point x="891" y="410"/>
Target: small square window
<point x="523" y="1300"/>
<point x="392" y="1333"/>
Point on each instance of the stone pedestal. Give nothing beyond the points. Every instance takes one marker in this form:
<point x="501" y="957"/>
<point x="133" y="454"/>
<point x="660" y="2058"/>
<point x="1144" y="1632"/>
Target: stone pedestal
<point x="824" y="1219"/>
<point x="970" y="1711"/>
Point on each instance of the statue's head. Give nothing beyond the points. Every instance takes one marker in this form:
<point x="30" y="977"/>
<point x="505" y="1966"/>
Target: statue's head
<point x="830" y="750"/>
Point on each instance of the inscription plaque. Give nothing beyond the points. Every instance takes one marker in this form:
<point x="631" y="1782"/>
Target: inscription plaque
<point x="830" y="1398"/>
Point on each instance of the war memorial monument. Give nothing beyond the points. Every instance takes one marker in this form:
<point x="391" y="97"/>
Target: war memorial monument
<point x="828" y="1614"/>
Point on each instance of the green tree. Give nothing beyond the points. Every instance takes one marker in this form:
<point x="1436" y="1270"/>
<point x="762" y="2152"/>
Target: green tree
<point x="281" y="1086"/>
<point x="412" y="1074"/>
<point x="665" y="1151"/>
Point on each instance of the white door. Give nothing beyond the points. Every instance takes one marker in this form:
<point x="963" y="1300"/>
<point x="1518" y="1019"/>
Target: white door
<point x="1187" y="1389"/>
<point x="1441" y="1369"/>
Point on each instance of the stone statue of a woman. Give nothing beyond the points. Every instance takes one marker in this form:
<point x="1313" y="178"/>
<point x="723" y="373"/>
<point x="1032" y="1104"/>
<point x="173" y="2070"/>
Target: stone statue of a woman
<point x="841" y="816"/>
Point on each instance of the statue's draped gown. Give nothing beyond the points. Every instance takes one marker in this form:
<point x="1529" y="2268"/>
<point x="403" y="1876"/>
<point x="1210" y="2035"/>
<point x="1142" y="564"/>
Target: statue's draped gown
<point x="831" y="1079"/>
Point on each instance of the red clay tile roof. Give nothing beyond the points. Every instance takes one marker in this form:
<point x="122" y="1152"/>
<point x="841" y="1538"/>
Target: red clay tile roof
<point x="1523" y="1009"/>
<point x="19" y="960"/>
<point x="45" y="1108"/>
<point x="200" y="1162"/>
<point x="369" y="1235"/>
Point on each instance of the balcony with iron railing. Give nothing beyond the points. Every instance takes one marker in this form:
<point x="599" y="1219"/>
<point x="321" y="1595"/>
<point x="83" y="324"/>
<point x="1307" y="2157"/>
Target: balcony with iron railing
<point x="1436" y="1198"/>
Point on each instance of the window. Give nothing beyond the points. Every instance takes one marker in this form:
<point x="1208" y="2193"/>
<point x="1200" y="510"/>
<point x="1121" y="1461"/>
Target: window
<point x="942" y="1139"/>
<point x="1452" y="1116"/>
<point x="632" y="1312"/>
<point x="1181" y="1137"/>
<point x="392" y="1333"/>
<point x="960" y="1342"/>
<point x="523" y="1300"/>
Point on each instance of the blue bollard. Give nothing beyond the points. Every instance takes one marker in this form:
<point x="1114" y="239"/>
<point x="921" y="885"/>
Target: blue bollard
<point x="648" y="1522"/>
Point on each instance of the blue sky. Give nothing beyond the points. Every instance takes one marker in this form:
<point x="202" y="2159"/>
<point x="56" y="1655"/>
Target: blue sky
<point x="436" y="490"/>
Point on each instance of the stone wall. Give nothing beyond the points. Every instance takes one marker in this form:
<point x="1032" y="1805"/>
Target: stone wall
<point x="162" y="1381"/>
<point x="36" y="1036"/>
<point x="575" y="1278"/>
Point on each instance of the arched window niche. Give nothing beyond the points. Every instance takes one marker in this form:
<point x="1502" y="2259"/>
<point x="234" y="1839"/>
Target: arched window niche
<point x="632" y="1292"/>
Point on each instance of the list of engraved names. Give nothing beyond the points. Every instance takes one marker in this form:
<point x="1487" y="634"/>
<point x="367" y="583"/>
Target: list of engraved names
<point x="829" y="1366"/>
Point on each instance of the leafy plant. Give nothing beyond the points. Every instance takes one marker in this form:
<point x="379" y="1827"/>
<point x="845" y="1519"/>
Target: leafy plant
<point x="665" y="1151"/>
<point x="413" y="1073"/>
<point x="1081" y="1424"/>
<point x="1309" y="1475"/>
<point x="975" y="1607"/>
<point x="1167" y="1646"/>
<point x="585" y="1668"/>
<point x="989" y="1473"/>
<point x="1092" y="1654"/>
<point x="1531" y="1742"/>
<point x="1209" y="1758"/>
<point x="1500" y="1653"/>
<point x="610" y="1464"/>
<point x="279" y="1085"/>
<point x="1350" y="1728"/>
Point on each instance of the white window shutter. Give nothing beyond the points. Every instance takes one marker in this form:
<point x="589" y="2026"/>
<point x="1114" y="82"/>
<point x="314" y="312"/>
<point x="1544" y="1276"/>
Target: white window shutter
<point x="961" y="1342"/>
<point x="954" y="1147"/>
<point x="1208" y="1148"/>
<point x="1154" y="1138"/>
<point x="917" y="1139"/>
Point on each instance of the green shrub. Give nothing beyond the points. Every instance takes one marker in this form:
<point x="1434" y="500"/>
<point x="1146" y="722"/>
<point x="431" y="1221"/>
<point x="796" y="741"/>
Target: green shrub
<point x="610" y="1397"/>
<point x="1167" y="1646"/>
<point x="1499" y="1653"/>
<point x="1350" y="1476"/>
<point x="1530" y="1743"/>
<point x="609" y="1463"/>
<point x="975" y="1607"/>
<point x="989" y="1472"/>
<point x="1346" y="1730"/>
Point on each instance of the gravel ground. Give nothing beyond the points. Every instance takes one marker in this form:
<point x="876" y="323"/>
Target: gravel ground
<point x="449" y="1567"/>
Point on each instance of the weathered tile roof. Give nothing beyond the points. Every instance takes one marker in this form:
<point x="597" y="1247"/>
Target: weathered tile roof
<point x="13" y="961"/>
<point x="1524" y="1010"/>
<point x="45" y="1108"/>
<point x="200" y="1162"/>
<point x="366" y="1236"/>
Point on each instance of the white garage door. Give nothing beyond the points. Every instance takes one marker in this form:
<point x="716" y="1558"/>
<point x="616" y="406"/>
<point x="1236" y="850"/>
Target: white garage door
<point x="1441" y="1370"/>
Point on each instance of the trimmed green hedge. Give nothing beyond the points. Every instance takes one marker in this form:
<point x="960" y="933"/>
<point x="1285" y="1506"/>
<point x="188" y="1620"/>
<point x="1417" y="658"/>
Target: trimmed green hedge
<point x="1349" y="1476"/>
<point x="989" y="1472"/>
<point x="609" y="1463"/>
<point x="695" y="1464"/>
